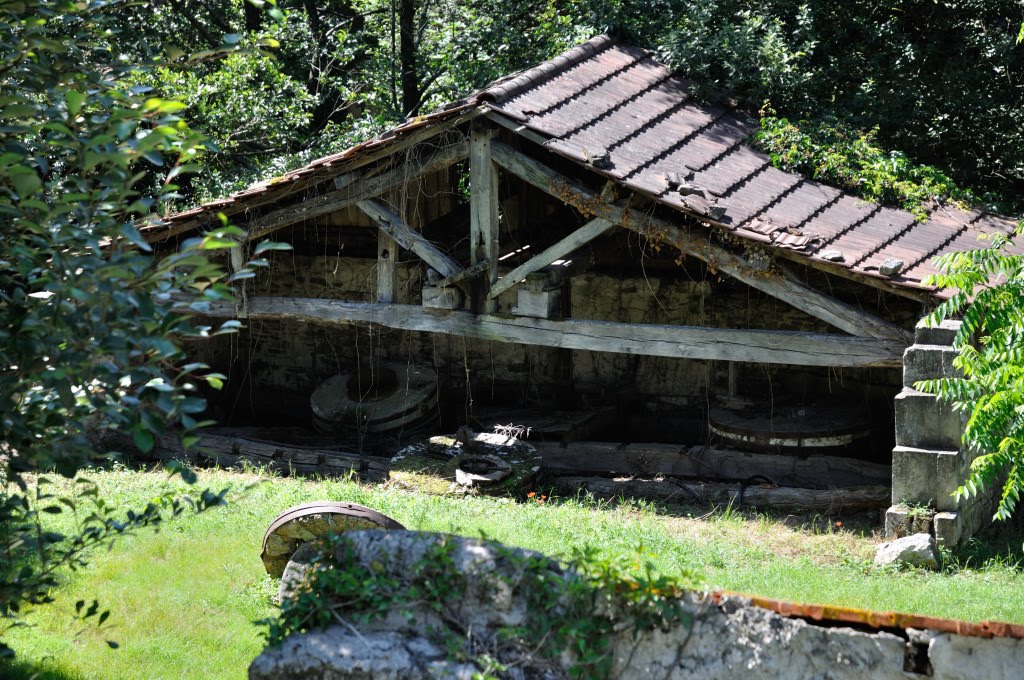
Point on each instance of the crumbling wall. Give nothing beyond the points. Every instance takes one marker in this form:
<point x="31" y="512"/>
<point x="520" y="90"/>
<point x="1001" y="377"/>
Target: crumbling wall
<point x="713" y="637"/>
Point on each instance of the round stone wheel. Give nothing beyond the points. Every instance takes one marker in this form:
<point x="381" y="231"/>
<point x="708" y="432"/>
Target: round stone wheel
<point x="495" y="465"/>
<point x="375" y="397"/>
<point x="789" y="427"/>
<point x="311" y="521"/>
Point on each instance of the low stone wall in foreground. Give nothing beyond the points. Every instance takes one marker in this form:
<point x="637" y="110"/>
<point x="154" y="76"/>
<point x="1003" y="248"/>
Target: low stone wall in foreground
<point x="715" y="637"/>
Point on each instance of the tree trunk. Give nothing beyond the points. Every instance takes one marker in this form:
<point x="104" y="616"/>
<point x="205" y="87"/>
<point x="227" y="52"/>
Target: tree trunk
<point x="407" y="57"/>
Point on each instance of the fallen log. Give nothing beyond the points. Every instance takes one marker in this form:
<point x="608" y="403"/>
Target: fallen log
<point x="816" y="471"/>
<point x="717" y="493"/>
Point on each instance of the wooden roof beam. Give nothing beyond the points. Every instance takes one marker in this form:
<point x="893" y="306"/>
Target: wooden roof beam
<point x="582" y="236"/>
<point x="681" y="342"/>
<point x="391" y="224"/>
<point x="367" y="186"/>
<point x="781" y="285"/>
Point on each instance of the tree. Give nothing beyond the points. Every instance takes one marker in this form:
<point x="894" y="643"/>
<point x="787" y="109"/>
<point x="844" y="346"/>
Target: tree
<point x="988" y="291"/>
<point x="90" y="321"/>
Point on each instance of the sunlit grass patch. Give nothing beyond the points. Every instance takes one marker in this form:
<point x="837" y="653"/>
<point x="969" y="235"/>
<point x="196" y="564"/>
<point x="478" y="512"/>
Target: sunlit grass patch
<point x="184" y="600"/>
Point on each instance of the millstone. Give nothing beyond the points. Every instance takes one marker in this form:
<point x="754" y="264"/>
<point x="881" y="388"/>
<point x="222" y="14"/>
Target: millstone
<point x="495" y="465"/>
<point x="374" y="398"/>
<point x="311" y="521"/>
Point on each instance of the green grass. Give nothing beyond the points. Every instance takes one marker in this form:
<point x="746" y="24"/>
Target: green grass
<point x="184" y="600"/>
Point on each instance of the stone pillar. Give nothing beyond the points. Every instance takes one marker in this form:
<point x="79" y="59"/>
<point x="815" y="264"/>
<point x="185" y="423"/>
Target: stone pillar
<point x="929" y="462"/>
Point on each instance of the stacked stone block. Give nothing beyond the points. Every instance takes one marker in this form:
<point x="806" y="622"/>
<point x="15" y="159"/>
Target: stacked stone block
<point x="929" y="461"/>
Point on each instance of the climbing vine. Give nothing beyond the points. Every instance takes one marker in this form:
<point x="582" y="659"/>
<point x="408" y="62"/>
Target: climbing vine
<point x="576" y="607"/>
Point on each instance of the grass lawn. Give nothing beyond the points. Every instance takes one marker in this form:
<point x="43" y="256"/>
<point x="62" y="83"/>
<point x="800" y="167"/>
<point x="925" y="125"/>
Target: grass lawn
<point x="184" y="600"/>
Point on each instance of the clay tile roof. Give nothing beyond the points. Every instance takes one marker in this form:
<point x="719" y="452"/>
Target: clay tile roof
<point x="607" y="97"/>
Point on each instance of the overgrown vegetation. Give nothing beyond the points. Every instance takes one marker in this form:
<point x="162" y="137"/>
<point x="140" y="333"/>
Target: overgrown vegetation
<point x="935" y="80"/>
<point x="834" y="153"/>
<point x="90" y="322"/>
<point x="574" y="607"/>
<point x="987" y="288"/>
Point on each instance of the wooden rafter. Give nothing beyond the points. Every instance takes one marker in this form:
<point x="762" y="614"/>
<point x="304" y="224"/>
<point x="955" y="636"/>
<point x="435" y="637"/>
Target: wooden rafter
<point x="780" y="285"/>
<point x="367" y="186"/>
<point x="683" y="342"/>
<point x="407" y="237"/>
<point x="585" y="234"/>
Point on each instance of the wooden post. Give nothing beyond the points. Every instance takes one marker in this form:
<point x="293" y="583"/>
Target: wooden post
<point x="387" y="272"/>
<point x="483" y="211"/>
<point x="237" y="262"/>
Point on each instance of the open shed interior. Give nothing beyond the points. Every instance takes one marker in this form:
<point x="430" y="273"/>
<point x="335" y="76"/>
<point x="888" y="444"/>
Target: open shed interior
<point x="555" y="396"/>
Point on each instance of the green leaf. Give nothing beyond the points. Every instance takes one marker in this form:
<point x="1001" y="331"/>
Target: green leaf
<point x="74" y="100"/>
<point x="25" y="180"/>
<point x="265" y="246"/>
<point x="143" y="439"/>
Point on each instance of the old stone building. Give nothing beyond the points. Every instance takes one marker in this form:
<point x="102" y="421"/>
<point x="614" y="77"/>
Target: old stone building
<point x="584" y="250"/>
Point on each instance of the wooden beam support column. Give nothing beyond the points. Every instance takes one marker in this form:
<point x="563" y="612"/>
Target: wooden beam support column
<point x="585" y="234"/>
<point x="483" y="209"/>
<point x="682" y="342"/>
<point x="783" y="286"/>
<point x="387" y="272"/>
<point x="393" y="225"/>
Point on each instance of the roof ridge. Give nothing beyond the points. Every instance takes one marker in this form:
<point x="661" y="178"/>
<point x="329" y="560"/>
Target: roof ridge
<point x="505" y="88"/>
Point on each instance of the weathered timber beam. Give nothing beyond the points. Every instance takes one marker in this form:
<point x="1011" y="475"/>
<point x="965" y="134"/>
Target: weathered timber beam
<point x="403" y="143"/>
<point x="391" y="224"/>
<point x="684" y="342"/>
<point x="780" y="285"/>
<point x="387" y="272"/>
<point x="483" y="206"/>
<point x="366" y="187"/>
<point x="585" y="234"/>
<point x="466" y="274"/>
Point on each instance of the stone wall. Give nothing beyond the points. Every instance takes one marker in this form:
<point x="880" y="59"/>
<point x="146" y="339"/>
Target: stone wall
<point x="717" y="638"/>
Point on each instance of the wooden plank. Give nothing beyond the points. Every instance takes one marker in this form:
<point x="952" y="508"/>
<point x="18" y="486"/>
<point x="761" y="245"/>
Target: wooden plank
<point x="483" y="207"/>
<point x="367" y="187"/>
<point x="817" y="471"/>
<point x="683" y="342"/>
<point x="582" y="236"/>
<point x="387" y="272"/>
<point x="466" y="274"/>
<point x="781" y="285"/>
<point x="713" y="493"/>
<point x="393" y="225"/>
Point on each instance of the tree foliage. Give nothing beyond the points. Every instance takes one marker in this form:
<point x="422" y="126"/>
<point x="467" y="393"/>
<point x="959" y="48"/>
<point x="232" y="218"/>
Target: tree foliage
<point x="987" y="288"/>
<point x="90" y="322"/>
<point x="936" y="80"/>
